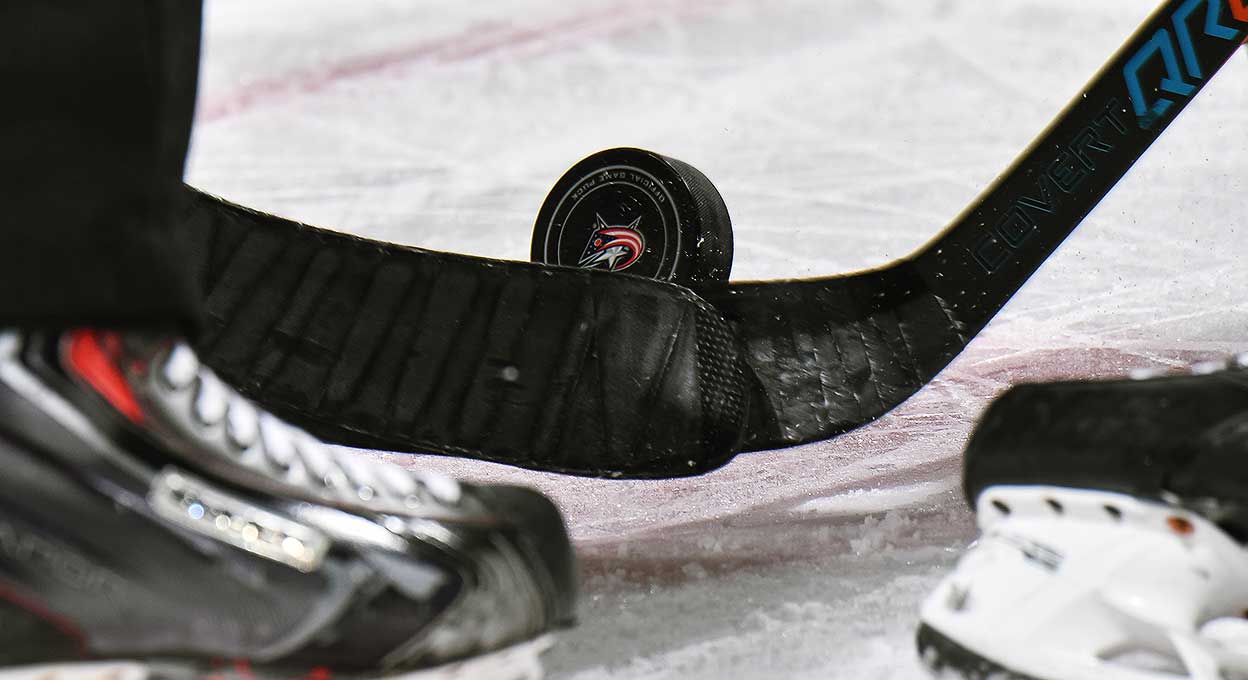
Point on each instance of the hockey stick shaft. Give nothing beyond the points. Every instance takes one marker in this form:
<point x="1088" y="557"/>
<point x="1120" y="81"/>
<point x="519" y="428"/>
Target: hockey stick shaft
<point x="992" y="248"/>
<point x="829" y="355"/>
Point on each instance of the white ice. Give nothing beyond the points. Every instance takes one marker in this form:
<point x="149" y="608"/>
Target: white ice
<point x="842" y="134"/>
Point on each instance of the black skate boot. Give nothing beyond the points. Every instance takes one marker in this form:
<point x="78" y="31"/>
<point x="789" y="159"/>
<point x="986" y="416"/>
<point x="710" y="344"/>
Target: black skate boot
<point x="1113" y="517"/>
<point x="155" y="523"/>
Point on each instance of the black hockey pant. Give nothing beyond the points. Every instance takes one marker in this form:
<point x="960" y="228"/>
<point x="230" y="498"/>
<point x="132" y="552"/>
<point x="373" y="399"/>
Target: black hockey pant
<point x="95" y="119"/>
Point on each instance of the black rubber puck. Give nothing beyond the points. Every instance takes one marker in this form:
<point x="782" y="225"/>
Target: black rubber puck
<point x="635" y="211"/>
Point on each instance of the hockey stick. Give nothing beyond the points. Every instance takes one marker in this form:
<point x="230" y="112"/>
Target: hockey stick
<point x="596" y="373"/>
<point x="904" y="322"/>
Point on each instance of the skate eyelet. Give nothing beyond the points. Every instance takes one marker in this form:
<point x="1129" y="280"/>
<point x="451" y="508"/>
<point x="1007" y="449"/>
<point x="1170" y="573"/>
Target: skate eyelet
<point x="236" y="443"/>
<point x="1180" y="525"/>
<point x="177" y="352"/>
<point x="1055" y="505"/>
<point x="162" y="379"/>
<point x="1001" y="507"/>
<point x="196" y="387"/>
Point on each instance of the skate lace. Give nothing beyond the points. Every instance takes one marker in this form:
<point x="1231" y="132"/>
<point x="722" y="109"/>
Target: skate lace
<point x="283" y="445"/>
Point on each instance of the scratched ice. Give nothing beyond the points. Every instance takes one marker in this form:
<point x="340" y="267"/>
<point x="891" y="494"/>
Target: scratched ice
<point x="842" y="134"/>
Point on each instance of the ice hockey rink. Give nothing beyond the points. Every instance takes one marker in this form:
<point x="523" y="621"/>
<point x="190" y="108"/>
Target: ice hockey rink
<point x="842" y="134"/>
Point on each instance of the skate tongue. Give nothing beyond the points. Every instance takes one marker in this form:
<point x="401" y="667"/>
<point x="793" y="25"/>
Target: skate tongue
<point x="95" y="358"/>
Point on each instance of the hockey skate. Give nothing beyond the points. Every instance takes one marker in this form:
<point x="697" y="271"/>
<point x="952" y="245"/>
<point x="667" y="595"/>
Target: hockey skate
<point x="153" y="523"/>
<point x="1112" y="522"/>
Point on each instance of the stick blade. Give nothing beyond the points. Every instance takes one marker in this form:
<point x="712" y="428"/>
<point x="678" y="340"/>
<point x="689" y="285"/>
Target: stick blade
<point x="832" y="354"/>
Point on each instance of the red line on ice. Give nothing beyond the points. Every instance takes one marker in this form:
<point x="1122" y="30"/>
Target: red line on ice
<point x="474" y="42"/>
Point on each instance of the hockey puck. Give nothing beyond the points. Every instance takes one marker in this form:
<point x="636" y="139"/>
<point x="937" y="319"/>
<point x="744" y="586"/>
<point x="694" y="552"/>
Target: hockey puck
<point x="635" y="211"/>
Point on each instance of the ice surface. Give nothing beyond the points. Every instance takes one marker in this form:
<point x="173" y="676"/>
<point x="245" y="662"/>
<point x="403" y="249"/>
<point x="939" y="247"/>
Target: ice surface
<point x="842" y="134"/>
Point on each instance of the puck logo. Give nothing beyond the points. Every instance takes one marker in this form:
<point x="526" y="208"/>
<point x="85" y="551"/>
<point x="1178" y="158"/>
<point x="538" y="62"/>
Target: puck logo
<point x="613" y="248"/>
<point x="594" y="221"/>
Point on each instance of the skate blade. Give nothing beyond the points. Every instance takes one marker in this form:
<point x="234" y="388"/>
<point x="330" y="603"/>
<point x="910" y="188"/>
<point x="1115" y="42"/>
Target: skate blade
<point x="518" y="662"/>
<point x="96" y="670"/>
<point x="945" y="659"/>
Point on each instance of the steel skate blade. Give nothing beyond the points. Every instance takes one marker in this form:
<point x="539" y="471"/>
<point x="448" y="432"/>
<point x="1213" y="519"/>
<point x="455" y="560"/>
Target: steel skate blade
<point x="102" y="670"/>
<point x="518" y="662"/>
